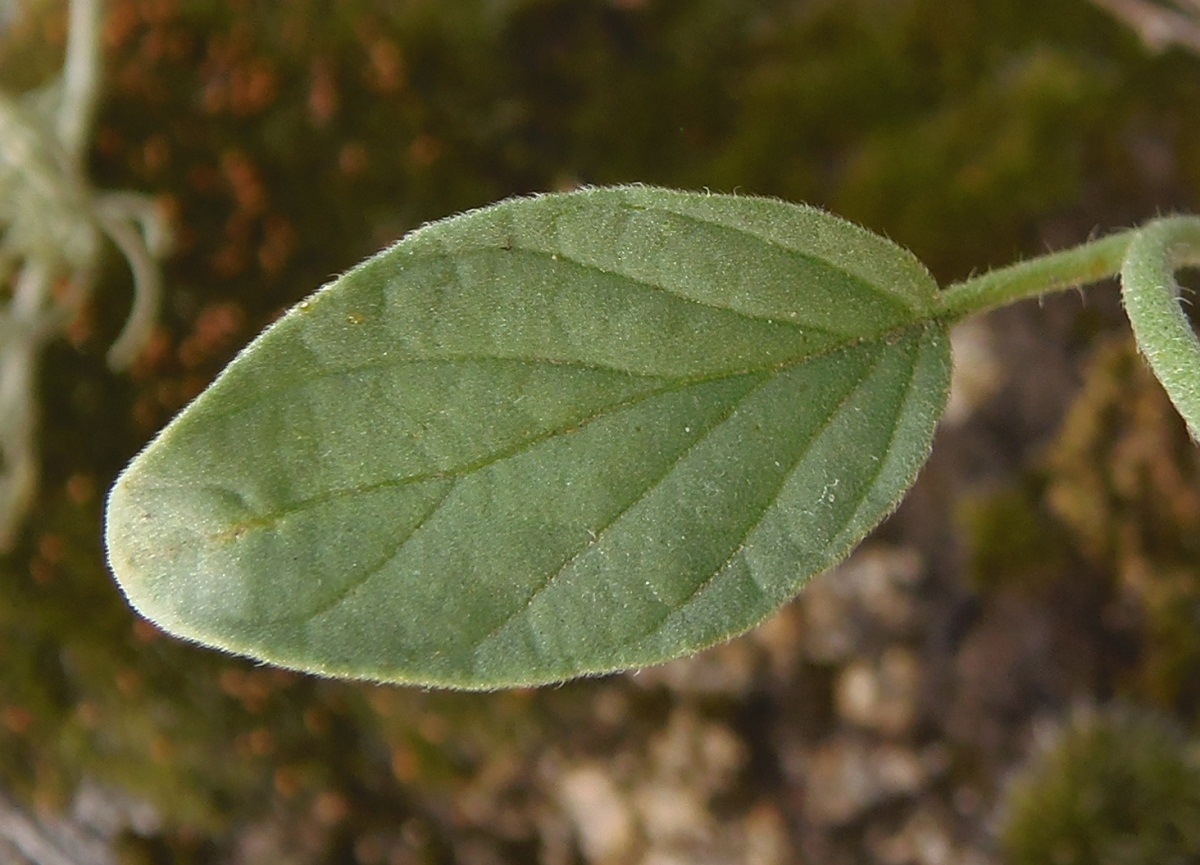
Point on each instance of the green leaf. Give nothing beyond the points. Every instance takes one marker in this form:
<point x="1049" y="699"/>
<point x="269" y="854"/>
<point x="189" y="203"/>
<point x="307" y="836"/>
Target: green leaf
<point x="557" y="436"/>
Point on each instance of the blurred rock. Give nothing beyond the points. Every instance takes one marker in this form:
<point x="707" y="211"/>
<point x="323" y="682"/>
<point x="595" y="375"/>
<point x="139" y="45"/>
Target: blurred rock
<point x="727" y="670"/>
<point x="925" y="839"/>
<point x="845" y="777"/>
<point x="977" y="374"/>
<point x="599" y="812"/>
<point x="866" y="601"/>
<point x="881" y="693"/>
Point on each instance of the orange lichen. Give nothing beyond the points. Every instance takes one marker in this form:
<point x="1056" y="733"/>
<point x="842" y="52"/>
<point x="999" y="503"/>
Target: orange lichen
<point x="280" y="240"/>
<point x="386" y="71"/>
<point x="425" y="150"/>
<point x="322" y="91"/>
<point x="81" y="488"/>
<point x="352" y="159"/>
<point x="245" y="181"/>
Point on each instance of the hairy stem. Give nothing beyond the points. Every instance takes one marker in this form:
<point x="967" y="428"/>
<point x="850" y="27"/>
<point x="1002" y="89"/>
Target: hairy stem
<point x="1071" y="268"/>
<point x="1146" y="259"/>
<point x="1152" y="301"/>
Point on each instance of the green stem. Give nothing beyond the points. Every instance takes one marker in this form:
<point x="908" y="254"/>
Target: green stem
<point x="1146" y="259"/>
<point x="1151" y="294"/>
<point x="1088" y="262"/>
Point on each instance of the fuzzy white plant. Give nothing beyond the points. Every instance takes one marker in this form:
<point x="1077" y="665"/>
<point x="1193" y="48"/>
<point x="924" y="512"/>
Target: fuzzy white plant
<point x="1160" y="23"/>
<point x="52" y="228"/>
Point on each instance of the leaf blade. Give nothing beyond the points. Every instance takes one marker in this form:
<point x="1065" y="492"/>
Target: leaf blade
<point x="464" y="463"/>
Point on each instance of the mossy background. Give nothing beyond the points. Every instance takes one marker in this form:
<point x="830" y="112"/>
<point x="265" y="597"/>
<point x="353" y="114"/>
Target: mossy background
<point x="289" y="140"/>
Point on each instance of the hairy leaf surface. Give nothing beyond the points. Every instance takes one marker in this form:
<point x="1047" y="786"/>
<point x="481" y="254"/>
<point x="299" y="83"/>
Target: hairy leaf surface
<point x="556" y="436"/>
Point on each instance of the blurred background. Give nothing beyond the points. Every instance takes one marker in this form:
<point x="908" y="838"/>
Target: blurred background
<point x="1007" y="671"/>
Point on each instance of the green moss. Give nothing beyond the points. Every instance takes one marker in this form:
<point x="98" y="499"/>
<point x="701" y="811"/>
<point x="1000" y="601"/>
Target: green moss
<point x="1121" y="787"/>
<point x="1124" y="479"/>
<point x="1010" y="540"/>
